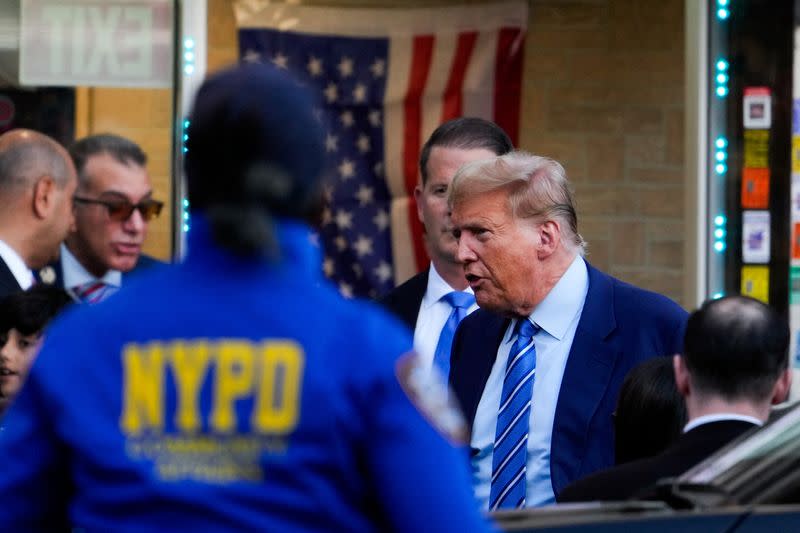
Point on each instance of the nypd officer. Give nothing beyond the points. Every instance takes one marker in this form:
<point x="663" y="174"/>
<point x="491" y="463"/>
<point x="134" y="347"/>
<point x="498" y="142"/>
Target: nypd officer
<point x="235" y="392"/>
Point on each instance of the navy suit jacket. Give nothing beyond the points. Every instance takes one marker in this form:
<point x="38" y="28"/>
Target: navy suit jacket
<point x="8" y="283"/>
<point x="145" y="262"/>
<point x="635" y="479"/>
<point x="404" y="300"/>
<point x="620" y="326"/>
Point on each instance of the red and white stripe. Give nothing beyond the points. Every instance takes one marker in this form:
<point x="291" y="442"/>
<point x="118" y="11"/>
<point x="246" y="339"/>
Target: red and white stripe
<point x="470" y="73"/>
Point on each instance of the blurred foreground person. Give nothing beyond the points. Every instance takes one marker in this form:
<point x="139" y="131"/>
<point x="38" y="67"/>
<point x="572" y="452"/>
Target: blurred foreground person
<point x="23" y="317"/>
<point x="734" y="367"/>
<point x="253" y="397"/>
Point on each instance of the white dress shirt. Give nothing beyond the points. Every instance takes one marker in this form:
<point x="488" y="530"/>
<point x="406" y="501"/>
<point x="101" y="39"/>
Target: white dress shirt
<point x="17" y="266"/>
<point x="75" y="274"/>
<point x="557" y="316"/>
<point x="433" y="313"/>
<point x="719" y="417"/>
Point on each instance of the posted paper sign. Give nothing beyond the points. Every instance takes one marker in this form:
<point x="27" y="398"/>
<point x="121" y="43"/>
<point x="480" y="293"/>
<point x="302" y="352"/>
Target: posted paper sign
<point x="755" y="236"/>
<point x="755" y="188"/>
<point x="757" y="108"/>
<point x="756" y="148"/>
<point x="795" y="200"/>
<point x="755" y="282"/>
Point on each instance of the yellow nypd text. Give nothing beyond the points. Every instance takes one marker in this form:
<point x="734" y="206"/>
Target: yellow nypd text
<point x="267" y="372"/>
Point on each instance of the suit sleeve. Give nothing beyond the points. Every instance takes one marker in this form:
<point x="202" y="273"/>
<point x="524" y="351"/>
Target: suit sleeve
<point x="33" y="484"/>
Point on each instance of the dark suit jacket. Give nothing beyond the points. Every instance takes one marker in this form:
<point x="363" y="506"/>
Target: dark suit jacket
<point x="619" y="327"/>
<point x="405" y="299"/>
<point x="8" y="283"/>
<point x="145" y="262"/>
<point x="626" y="480"/>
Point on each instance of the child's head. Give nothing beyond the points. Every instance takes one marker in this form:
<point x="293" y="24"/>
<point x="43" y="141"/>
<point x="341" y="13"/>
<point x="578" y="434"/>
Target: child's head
<point x="23" y="317"/>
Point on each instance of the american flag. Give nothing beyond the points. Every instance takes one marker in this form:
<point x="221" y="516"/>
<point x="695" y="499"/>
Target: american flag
<point x="387" y="78"/>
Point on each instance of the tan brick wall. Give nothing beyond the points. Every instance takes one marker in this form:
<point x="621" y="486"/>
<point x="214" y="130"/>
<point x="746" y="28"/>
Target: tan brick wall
<point x="603" y="94"/>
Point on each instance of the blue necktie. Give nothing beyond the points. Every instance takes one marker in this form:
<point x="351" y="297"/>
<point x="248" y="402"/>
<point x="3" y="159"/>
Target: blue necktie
<point x="460" y="302"/>
<point x="510" y="455"/>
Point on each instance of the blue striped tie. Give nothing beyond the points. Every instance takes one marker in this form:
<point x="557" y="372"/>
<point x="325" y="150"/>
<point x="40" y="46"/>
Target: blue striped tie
<point x="460" y="302"/>
<point x="510" y="454"/>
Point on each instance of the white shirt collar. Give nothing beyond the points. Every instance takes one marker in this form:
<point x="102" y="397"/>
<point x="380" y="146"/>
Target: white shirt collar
<point x="17" y="266"/>
<point x="564" y="301"/>
<point x="437" y="287"/>
<point x="718" y="417"/>
<point x="75" y="274"/>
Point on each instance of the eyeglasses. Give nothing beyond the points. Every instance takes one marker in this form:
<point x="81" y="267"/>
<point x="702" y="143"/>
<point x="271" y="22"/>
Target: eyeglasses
<point x="121" y="210"/>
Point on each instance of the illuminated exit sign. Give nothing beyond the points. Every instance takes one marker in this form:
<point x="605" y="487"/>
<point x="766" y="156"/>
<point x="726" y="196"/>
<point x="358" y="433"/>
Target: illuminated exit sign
<point x="117" y="43"/>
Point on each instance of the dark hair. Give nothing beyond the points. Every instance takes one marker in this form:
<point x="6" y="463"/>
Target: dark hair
<point x="465" y="133"/>
<point x="650" y="411"/>
<point x="255" y="151"/>
<point x="736" y="347"/>
<point x="123" y="150"/>
<point x="29" y="311"/>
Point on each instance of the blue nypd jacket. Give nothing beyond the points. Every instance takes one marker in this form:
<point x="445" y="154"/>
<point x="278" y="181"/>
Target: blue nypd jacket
<point x="227" y="394"/>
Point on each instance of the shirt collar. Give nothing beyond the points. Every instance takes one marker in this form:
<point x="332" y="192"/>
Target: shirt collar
<point x="17" y="266"/>
<point x="437" y="288"/>
<point x="719" y="417"/>
<point x="564" y="301"/>
<point x="75" y="274"/>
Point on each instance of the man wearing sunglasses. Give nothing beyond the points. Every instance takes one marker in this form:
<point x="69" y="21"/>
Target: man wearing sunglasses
<point x="113" y="206"/>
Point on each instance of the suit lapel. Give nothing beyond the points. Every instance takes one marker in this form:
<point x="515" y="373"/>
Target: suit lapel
<point x="481" y="334"/>
<point x="408" y="308"/>
<point x="586" y="377"/>
<point x="8" y="283"/>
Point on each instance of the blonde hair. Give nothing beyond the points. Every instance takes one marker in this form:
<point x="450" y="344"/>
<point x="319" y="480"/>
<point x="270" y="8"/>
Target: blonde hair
<point x="537" y="188"/>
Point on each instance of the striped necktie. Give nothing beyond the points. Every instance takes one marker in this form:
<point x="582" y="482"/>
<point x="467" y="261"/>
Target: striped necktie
<point x="510" y="456"/>
<point x="460" y="302"/>
<point x="93" y="292"/>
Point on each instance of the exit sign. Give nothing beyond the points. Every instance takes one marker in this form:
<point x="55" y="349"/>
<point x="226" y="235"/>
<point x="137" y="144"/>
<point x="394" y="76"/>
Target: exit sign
<point x="112" y="43"/>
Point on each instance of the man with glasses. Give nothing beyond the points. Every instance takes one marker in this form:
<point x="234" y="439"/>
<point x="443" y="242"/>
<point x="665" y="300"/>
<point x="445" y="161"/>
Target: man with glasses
<point x="113" y="205"/>
<point x="37" y="182"/>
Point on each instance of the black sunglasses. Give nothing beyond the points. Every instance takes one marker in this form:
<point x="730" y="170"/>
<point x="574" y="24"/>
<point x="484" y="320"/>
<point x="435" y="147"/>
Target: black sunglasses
<point x="121" y="210"/>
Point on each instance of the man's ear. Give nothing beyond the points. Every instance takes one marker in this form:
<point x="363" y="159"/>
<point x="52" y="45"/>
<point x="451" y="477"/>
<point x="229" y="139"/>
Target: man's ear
<point x="780" y="391"/>
<point x="43" y="196"/>
<point x="682" y="380"/>
<point x="549" y="238"/>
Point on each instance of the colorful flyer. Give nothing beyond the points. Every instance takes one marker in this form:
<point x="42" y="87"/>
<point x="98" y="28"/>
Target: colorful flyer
<point x="795" y="199"/>
<point x="757" y="108"/>
<point x="755" y="282"/>
<point x="796" y="116"/>
<point x="796" y="154"/>
<point x="794" y="285"/>
<point x="796" y="241"/>
<point x="756" y="148"/>
<point x="755" y="236"/>
<point x="755" y="188"/>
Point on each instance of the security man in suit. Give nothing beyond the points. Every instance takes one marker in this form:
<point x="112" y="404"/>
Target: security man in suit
<point x="252" y="397"/>
<point x="433" y="302"/>
<point x="113" y="205"/>
<point x="37" y="181"/>
<point x="734" y="367"/>
<point x="537" y="368"/>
